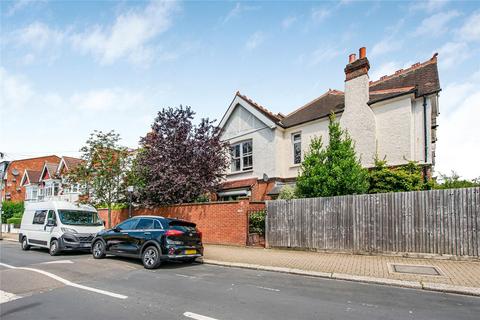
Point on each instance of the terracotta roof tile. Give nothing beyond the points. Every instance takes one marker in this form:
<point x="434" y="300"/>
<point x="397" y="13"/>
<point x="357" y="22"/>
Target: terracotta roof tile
<point x="422" y="76"/>
<point x="330" y="101"/>
<point x="34" y="176"/>
<point x="72" y="162"/>
<point x="262" y="109"/>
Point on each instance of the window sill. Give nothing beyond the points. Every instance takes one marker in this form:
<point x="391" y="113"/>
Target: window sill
<point x="239" y="172"/>
<point x="296" y="165"/>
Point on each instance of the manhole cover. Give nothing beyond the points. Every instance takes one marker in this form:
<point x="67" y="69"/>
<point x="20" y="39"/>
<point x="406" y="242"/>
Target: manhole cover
<point x="430" y="271"/>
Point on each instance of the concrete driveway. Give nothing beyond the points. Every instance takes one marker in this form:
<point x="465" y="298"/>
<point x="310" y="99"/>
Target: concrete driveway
<point x="35" y="285"/>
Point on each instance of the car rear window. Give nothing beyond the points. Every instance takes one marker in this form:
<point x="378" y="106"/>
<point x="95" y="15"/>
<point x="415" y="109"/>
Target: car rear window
<point x="184" y="226"/>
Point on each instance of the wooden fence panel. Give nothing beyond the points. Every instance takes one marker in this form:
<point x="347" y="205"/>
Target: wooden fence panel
<point x="436" y="221"/>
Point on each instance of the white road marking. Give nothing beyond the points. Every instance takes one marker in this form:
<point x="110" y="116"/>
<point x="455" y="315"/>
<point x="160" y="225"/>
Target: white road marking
<point x="67" y="282"/>
<point x="57" y="261"/>
<point x="7" y="296"/>
<point x="185" y="276"/>
<point x="266" y="288"/>
<point x="197" y="316"/>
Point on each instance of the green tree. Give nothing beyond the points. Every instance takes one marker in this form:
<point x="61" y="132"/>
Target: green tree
<point x="103" y="171"/>
<point x="404" y="178"/>
<point x="334" y="170"/>
<point x="454" y="181"/>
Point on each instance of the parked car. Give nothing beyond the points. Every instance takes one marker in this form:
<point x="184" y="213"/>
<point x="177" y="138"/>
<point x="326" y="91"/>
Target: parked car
<point x="58" y="226"/>
<point x="151" y="238"/>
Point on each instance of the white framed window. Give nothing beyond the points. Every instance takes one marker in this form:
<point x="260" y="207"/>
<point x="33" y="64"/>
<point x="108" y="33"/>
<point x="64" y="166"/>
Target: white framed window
<point x="242" y="156"/>
<point x="297" y="147"/>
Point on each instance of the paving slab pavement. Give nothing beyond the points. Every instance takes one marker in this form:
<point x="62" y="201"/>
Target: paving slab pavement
<point x="454" y="276"/>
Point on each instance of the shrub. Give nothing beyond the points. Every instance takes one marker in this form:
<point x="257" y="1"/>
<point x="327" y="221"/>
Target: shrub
<point x="454" y="181"/>
<point x="288" y="192"/>
<point x="12" y="209"/>
<point x="15" y="221"/>
<point x="404" y="178"/>
<point x="257" y="222"/>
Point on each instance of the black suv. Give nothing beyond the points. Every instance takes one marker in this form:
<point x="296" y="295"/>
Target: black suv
<point x="152" y="238"/>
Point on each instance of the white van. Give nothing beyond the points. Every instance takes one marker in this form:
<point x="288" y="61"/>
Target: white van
<point x="59" y="226"/>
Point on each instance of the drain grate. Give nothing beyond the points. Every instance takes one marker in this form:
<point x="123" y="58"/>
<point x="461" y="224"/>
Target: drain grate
<point x="414" y="269"/>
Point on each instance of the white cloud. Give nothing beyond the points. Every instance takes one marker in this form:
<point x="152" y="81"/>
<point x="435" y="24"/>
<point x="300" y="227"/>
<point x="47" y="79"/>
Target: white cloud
<point x="436" y="24"/>
<point x="320" y="14"/>
<point x="110" y="99"/>
<point x="71" y="116"/>
<point x="385" y="46"/>
<point x="15" y="92"/>
<point x="19" y="5"/>
<point x="391" y="42"/>
<point x="470" y="30"/>
<point x="129" y="36"/>
<point x="388" y="68"/>
<point x="452" y="53"/>
<point x="255" y="40"/>
<point x="429" y="5"/>
<point x="39" y="40"/>
<point x="324" y="54"/>
<point x="288" y="22"/>
<point x="458" y="138"/>
<point x="237" y="10"/>
<point x="39" y="36"/>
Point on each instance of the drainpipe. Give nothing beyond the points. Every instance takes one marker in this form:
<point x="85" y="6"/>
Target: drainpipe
<point x="425" y="138"/>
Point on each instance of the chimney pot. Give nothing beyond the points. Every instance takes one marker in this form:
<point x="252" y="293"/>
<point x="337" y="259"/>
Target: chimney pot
<point x="362" y="52"/>
<point x="352" y="58"/>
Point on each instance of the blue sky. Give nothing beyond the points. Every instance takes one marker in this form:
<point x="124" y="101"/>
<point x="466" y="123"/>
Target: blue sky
<point x="69" y="67"/>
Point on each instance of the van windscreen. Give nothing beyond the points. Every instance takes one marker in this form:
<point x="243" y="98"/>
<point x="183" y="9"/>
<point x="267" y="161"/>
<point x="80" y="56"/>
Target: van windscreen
<point x="79" y="217"/>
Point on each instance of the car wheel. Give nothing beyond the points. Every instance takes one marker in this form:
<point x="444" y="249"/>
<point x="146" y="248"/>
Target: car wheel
<point x="54" y="250"/>
<point x="25" y="245"/>
<point x="98" y="250"/>
<point x="151" y="258"/>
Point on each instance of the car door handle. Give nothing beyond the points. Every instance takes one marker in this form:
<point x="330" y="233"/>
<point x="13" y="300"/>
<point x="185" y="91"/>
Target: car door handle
<point x="147" y="233"/>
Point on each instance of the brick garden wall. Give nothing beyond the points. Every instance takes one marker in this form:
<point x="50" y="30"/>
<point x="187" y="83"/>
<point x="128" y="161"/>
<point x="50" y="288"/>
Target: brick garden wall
<point x="220" y="222"/>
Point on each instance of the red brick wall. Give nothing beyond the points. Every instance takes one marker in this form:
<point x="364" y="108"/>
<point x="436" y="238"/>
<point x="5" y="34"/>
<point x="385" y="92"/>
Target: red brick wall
<point x="260" y="190"/>
<point x="13" y="182"/>
<point x="220" y="222"/>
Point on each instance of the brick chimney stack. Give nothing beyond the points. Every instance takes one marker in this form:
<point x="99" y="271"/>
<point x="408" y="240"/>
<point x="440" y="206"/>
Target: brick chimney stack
<point x="357" y="67"/>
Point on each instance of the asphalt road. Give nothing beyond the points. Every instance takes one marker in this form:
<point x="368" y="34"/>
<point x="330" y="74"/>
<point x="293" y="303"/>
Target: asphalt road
<point x="116" y="288"/>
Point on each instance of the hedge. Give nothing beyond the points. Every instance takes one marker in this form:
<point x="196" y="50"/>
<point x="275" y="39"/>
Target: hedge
<point x="14" y="221"/>
<point x="12" y="209"/>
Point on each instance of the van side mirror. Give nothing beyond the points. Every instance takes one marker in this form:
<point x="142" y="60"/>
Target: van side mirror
<point x="116" y="229"/>
<point x="51" y="223"/>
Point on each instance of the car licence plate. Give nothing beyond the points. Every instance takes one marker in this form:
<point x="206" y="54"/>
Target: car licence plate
<point x="190" y="251"/>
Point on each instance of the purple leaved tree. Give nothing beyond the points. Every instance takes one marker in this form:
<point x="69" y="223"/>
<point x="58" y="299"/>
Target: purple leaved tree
<point x="180" y="162"/>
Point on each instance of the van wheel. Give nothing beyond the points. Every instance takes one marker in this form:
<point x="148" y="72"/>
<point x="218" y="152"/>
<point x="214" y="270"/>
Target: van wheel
<point x="151" y="258"/>
<point x="54" y="250"/>
<point x="25" y="245"/>
<point x="98" y="250"/>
